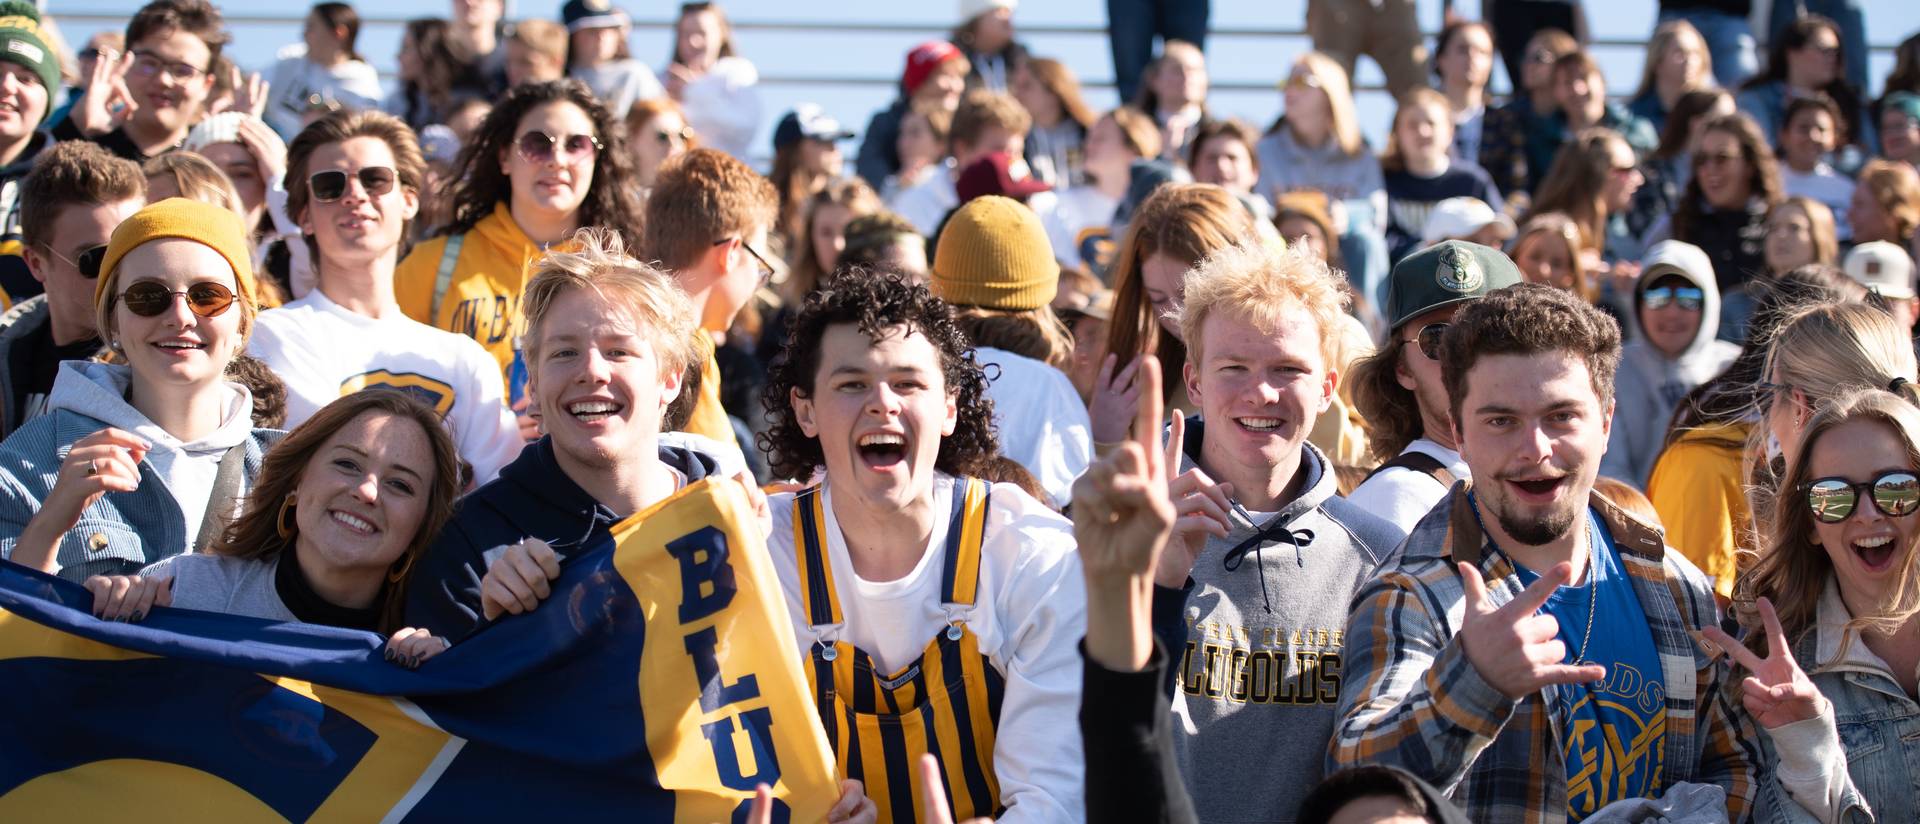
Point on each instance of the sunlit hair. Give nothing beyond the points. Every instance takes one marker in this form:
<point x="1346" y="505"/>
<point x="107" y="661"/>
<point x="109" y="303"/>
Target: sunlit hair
<point x="700" y="197"/>
<point x="806" y="272"/>
<point x="256" y="534"/>
<point x="1392" y="411"/>
<point x="1826" y="244"/>
<point x="1393" y="158"/>
<point x="1257" y="283"/>
<point x="981" y="110"/>
<point x="1059" y="81"/>
<point x="1137" y="129"/>
<point x="1792" y="569"/>
<point x="600" y="264"/>
<point x="1340" y="113"/>
<point x="1554" y="227"/>
<point x="1576" y="183"/>
<point x="1822" y="351"/>
<point x="1030" y="333"/>
<point x="1667" y="37"/>
<point x="1896" y="187"/>
<point x="197" y="179"/>
<point x="1186" y="222"/>
<point x="1763" y="174"/>
<point x="643" y="112"/>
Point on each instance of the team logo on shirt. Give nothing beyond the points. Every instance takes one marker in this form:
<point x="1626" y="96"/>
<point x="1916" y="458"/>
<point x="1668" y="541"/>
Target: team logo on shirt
<point x="1459" y="272"/>
<point x="427" y="390"/>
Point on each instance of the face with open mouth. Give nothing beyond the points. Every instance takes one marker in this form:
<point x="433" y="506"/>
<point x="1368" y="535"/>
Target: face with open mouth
<point x="177" y="346"/>
<point x="879" y="410"/>
<point x="363" y="496"/>
<point x="1868" y="549"/>
<point x="1532" y="431"/>
<point x="1260" y="390"/>
<point x="599" y="382"/>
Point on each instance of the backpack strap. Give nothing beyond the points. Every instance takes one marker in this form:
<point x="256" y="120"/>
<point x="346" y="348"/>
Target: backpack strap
<point x="449" y="256"/>
<point x="1419" y="462"/>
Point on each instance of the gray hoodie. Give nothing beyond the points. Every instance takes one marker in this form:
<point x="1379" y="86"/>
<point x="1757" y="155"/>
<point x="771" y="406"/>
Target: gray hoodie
<point x="1649" y="384"/>
<point x="1255" y="645"/>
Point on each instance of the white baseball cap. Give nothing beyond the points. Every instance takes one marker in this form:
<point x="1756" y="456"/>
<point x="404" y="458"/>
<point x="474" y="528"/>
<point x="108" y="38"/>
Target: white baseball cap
<point x="1882" y="267"/>
<point x="1460" y="218"/>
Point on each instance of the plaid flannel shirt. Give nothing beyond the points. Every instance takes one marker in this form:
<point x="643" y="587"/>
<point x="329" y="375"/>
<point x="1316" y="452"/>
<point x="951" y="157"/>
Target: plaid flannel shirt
<point x="1411" y="699"/>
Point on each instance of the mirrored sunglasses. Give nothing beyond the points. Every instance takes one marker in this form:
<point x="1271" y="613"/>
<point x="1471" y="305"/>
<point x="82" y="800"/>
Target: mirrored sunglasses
<point x="1832" y="500"/>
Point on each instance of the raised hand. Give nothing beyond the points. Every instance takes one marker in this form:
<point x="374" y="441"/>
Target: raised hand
<point x="1777" y="693"/>
<point x="107" y="102"/>
<point x="1115" y="399"/>
<point x="267" y="147"/>
<point x="516" y="582"/>
<point x="1200" y="506"/>
<point x="1512" y="648"/>
<point x="249" y="94"/>
<point x="105" y="461"/>
<point x="933" y="794"/>
<point x="128" y="597"/>
<point x="1121" y="519"/>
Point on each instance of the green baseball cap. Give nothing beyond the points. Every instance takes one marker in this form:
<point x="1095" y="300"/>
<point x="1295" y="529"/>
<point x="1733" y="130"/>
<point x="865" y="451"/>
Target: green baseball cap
<point x="1446" y="273"/>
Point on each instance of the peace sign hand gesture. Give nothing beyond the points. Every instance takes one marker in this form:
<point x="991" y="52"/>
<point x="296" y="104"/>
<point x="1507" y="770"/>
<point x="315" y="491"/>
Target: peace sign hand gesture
<point x="1512" y="648"/>
<point x="1122" y="517"/>
<point x="1777" y="693"/>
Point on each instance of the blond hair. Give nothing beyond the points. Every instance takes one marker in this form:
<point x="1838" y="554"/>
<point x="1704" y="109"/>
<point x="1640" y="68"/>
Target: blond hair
<point x="1557" y="226"/>
<point x="1666" y="38"/>
<point x="1256" y="282"/>
<point x="600" y="264"/>
<point x="1393" y="158"/>
<point x="197" y="179"/>
<point x="1339" y="92"/>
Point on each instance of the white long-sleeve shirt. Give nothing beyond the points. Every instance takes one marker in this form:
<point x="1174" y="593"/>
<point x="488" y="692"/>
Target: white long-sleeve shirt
<point x="322" y="351"/>
<point x="1029" y="616"/>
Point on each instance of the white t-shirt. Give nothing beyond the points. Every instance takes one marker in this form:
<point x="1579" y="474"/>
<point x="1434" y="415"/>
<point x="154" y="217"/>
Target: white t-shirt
<point x="353" y="84"/>
<point x="1072" y="214"/>
<point x="1404" y="496"/>
<point x="1029" y="615"/>
<point x="323" y="351"/>
<point x="1043" y="424"/>
<point x="927" y="203"/>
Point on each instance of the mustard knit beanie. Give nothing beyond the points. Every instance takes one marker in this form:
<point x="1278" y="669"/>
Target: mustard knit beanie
<point x="216" y="227"/>
<point x="994" y="254"/>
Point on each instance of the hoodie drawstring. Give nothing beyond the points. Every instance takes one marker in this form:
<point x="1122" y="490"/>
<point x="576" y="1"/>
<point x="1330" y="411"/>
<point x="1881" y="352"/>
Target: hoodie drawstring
<point x="1276" y="532"/>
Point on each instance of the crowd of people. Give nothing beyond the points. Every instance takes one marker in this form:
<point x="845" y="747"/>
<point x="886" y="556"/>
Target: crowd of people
<point x="1024" y="390"/>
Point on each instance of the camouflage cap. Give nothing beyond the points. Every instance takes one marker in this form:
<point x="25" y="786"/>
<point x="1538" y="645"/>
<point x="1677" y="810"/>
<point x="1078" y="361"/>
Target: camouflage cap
<point x="1444" y="274"/>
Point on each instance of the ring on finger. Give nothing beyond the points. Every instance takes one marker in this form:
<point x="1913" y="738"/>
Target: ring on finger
<point x="93" y="467"/>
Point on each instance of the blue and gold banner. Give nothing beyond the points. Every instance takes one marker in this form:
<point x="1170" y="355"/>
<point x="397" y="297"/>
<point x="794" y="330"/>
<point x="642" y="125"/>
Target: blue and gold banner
<point x="660" y="683"/>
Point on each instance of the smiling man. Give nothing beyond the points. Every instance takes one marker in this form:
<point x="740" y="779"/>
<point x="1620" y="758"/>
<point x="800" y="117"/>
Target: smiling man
<point x="935" y="612"/>
<point x="1258" y="639"/>
<point x="608" y="340"/>
<point x="1489" y="669"/>
<point x="162" y="83"/>
<point x="1678" y="306"/>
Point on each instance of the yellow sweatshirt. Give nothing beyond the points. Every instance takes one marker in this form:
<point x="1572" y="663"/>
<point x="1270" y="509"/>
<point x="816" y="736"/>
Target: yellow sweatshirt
<point x="709" y="417"/>
<point x="1698" y="488"/>
<point x="482" y="297"/>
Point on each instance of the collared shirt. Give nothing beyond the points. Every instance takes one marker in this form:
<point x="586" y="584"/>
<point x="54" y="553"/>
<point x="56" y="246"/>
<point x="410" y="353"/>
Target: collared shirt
<point x="1411" y="698"/>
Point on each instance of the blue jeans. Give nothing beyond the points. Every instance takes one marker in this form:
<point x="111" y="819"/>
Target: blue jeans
<point x="1729" y="40"/>
<point x="1132" y="24"/>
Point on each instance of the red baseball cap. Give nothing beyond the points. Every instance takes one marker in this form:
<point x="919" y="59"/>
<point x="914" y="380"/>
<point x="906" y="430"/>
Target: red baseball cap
<point x="993" y="175"/>
<point x="923" y="59"/>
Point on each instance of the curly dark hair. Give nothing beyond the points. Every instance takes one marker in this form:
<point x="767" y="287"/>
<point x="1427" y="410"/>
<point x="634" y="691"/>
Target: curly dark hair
<point x="1527" y="319"/>
<point x="876" y="302"/>
<point x="612" y="197"/>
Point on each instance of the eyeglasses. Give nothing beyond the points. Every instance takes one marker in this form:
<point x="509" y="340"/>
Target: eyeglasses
<point x="1690" y="298"/>
<point x="149" y="298"/>
<point x="673" y="137"/>
<point x="1832" y="500"/>
<point x="331" y="185"/>
<point x="768" y="270"/>
<point x="88" y="261"/>
<point x="1542" y="56"/>
<point x="539" y="147"/>
<point x="1303" y="81"/>
<point x="148" y="64"/>
<point x="1428" y="339"/>
<point x="1717" y="159"/>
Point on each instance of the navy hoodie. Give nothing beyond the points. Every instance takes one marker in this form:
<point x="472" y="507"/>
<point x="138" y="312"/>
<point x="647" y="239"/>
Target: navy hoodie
<point x="532" y="498"/>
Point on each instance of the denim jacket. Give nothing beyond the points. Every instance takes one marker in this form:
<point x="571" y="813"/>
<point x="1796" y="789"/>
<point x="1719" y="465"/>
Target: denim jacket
<point x="122" y="531"/>
<point x="1879" y="726"/>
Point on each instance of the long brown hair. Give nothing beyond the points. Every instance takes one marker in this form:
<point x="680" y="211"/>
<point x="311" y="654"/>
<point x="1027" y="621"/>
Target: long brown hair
<point x="1796" y="35"/>
<point x="1763" y="178"/>
<point x="1186" y="222"/>
<point x="1792" y="569"/>
<point x="851" y="193"/>
<point x="256" y="533"/>
<point x="1392" y="411"/>
<point x="1575" y="183"/>
<point x="1058" y="80"/>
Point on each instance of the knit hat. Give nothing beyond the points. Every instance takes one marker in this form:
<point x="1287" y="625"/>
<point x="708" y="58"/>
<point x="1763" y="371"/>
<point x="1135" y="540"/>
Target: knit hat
<point x="217" y="228"/>
<point x="992" y="174"/>
<point x="970" y="9"/>
<point x="21" y="43"/>
<point x="580" y="15"/>
<point x="1446" y="273"/>
<point x="221" y="128"/>
<point x="993" y="253"/>
<point x="923" y="60"/>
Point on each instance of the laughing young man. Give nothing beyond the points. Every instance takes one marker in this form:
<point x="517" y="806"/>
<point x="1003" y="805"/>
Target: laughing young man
<point x="936" y="613"/>
<point x="164" y="81"/>
<point x="1490" y="671"/>
<point x="1257" y="639"/>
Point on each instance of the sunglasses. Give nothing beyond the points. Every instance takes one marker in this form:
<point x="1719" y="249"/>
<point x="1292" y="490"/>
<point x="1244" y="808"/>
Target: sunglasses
<point x="672" y="138"/>
<point x="331" y="185"/>
<point x="539" y="147"/>
<point x="1895" y="494"/>
<point x="149" y="298"/>
<point x="88" y="261"/>
<point x="1690" y="298"/>
<point x="1718" y="159"/>
<point x="1428" y="339"/>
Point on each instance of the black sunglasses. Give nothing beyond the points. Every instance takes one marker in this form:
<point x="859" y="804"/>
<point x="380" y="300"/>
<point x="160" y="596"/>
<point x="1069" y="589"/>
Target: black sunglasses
<point x="88" y="261"/>
<point x="149" y="298"/>
<point x="331" y="185"/>
<point x="1895" y="494"/>
<point x="1428" y="339"/>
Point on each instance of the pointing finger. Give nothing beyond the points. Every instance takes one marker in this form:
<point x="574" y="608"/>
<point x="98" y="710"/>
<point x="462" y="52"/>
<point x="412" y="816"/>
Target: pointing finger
<point x="1146" y="423"/>
<point x="1735" y="650"/>
<point x="1777" y="645"/>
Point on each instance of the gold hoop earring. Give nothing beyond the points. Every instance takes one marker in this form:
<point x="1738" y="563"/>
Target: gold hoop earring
<point x="281" y="524"/>
<point x="406" y="565"/>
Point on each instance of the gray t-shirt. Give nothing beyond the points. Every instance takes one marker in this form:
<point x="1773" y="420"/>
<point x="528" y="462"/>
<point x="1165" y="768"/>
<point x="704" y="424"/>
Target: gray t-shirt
<point x="224" y="584"/>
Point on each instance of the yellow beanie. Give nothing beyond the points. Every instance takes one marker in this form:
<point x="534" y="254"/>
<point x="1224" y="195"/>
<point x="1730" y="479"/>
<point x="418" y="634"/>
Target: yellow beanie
<point x="994" y="254"/>
<point x="217" y="228"/>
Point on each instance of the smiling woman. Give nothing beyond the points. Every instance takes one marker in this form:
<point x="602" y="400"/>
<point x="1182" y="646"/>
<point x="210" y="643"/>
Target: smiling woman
<point x="164" y="430"/>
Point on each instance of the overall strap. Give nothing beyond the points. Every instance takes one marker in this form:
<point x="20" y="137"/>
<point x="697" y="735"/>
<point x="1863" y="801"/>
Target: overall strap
<point x="443" y="279"/>
<point x="1419" y="462"/>
<point x="966" y="532"/>
<point x="221" y="505"/>
<point x="810" y="544"/>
